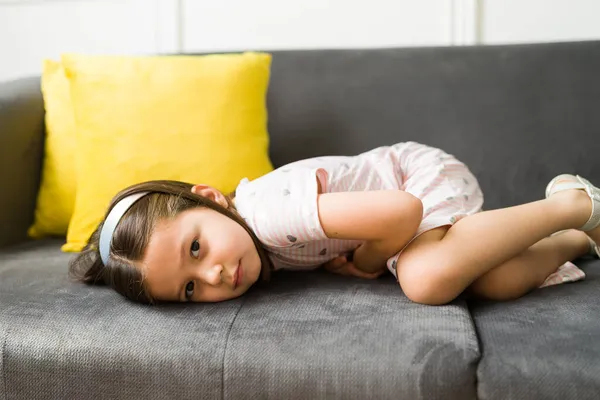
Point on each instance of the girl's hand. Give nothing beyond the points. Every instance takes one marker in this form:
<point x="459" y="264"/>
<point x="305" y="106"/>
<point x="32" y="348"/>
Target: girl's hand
<point x="340" y="265"/>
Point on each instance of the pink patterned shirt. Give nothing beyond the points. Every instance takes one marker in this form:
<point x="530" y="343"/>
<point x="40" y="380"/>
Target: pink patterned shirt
<point x="281" y="207"/>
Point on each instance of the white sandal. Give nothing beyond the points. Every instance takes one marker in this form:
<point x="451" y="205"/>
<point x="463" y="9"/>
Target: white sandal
<point x="567" y="181"/>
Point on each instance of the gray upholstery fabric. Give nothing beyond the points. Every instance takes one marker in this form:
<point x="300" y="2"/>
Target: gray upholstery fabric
<point x="545" y="345"/>
<point x="66" y="341"/>
<point x="305" y="335"/>
<point x="316" y="335"/>
<point x="21" y="149"/>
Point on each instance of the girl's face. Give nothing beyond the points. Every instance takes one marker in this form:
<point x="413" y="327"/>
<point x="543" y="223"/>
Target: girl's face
<point x="201" y="256"/>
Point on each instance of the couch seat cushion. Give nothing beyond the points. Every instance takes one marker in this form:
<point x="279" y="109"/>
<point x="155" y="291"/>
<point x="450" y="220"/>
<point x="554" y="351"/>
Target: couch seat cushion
<point x="545" y="345"/>
<point x="305" y="335"/>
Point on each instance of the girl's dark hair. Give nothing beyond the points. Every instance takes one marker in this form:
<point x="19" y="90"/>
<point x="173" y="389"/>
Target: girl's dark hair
<point x="131" y="236"/>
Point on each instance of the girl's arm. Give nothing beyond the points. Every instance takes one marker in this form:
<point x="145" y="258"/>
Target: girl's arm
<point x="385" y="219"/>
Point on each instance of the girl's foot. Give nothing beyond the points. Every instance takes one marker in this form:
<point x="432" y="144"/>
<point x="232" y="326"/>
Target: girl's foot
<point x="593" y="250"/>
<point x="566" y="183"/>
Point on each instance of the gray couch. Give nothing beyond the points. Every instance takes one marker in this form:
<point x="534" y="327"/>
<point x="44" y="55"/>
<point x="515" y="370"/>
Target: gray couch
<point x="517" y="115"/>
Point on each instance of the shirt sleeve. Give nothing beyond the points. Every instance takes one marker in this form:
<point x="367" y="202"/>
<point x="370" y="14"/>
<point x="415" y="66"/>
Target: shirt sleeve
<point x="281" y="207"/>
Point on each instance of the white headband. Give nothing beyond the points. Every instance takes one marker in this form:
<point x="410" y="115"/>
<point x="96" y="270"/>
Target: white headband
<point x="111" y="222"/>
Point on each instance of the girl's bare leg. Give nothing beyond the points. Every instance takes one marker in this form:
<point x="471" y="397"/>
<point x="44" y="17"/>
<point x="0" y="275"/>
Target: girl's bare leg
<point x="529" y="270"/>
<point x="440" y="264"/>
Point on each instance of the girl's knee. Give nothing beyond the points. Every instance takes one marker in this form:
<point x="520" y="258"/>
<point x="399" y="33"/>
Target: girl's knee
<point x="427" y="287"/>
<point x="423" y="270"/>
<point x="427" y="297"/>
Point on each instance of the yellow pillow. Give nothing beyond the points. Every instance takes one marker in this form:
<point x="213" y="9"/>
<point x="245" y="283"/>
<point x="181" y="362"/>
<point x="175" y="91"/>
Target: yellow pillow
<point x="199" y="119"/>
<point x="56" y="196"/>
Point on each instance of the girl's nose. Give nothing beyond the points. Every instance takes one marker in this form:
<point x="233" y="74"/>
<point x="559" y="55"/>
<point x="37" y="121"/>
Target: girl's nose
<point x="212" y="274"/>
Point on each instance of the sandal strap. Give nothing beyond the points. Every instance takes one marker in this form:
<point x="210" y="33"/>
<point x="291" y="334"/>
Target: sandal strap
<point x="563" y="182"/>
<point x="567" y="181"/>
<point x="594" y="194"/>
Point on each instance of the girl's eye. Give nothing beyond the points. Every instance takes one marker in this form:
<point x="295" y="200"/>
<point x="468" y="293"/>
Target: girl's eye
<point x="189" y="289"/>
<point x="195" y="249"/>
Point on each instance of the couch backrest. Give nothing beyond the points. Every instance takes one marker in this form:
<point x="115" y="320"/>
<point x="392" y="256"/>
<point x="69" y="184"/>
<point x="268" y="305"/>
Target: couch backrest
<point x="515" y="114"/>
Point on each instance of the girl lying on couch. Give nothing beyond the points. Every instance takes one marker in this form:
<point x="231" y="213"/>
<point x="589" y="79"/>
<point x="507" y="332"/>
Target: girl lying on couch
<point x="409" y="209"/>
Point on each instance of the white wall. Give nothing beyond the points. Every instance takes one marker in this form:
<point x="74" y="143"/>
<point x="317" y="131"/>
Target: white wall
<point x="517" y="21"/>
<point x="31" y="30"/>
<point x="275" y="24"/>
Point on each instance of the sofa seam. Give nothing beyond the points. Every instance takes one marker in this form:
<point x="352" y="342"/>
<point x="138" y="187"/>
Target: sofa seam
<point x="479" y="348"/>
<point x="225" y="348"/>
<point x="3" y="365"/>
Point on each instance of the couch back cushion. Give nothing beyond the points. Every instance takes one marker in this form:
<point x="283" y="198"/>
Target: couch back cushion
<point x="516" y="115"/>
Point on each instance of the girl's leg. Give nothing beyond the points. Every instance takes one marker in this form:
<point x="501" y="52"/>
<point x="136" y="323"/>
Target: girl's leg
<point x="440" y="264"/>
<point x="529" y="270"/>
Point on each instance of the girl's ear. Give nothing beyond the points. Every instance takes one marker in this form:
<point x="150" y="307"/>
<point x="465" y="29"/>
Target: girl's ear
<point x="210" y="193"/>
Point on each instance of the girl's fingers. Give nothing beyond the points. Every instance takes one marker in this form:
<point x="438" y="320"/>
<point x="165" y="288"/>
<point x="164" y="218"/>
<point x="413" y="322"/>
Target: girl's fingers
<point x="357" y="272"/>
<point x="361" y="274"/>
<point x="341" y="266"/>
<point x="335" y="263"/>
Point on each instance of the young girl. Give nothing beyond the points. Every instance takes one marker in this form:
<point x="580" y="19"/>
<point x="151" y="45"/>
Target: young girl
<point x="408" y="208"/>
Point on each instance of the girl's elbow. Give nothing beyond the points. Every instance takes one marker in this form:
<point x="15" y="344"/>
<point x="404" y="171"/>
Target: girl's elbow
<point x="407" y="224"/>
